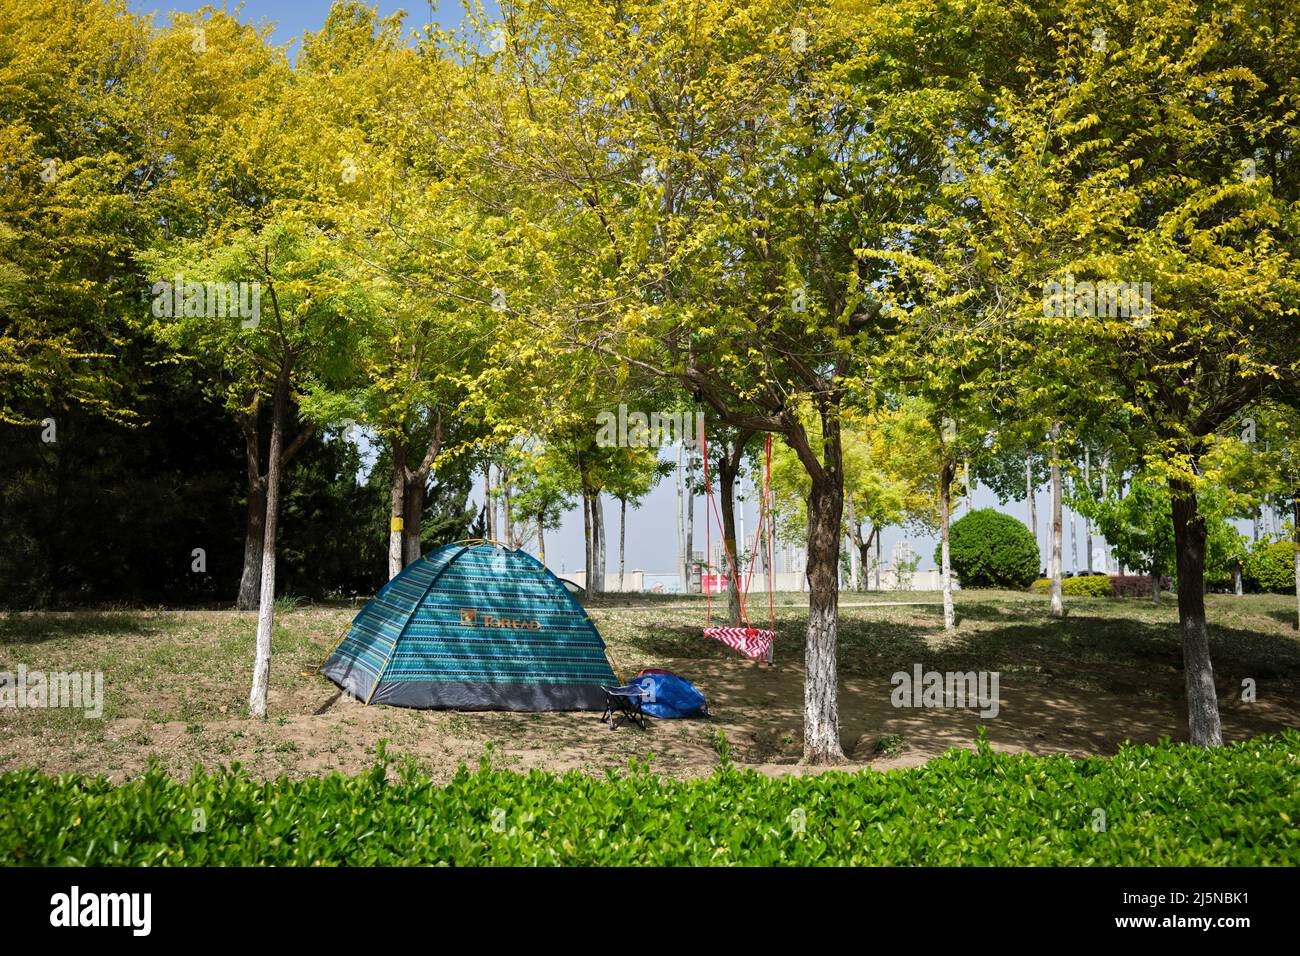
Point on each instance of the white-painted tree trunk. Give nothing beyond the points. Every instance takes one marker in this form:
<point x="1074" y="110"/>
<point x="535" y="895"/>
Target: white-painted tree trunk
<point x="683" y="558"/>
<point x="1031" y="497"/>
<point x="1055" y="559"/>
<point x="1087" y="522"/>
<point x="821" y="681"/>
<point x="397" y="513"/>
<point x="945" y="522"/>
<point x="622" y="539"/>
<point x="1295" y="539"/>
<point x="688" y="567"/>
<point x="266" y="601"/>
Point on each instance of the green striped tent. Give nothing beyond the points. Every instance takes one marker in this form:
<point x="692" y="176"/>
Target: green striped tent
<point x="474" y="626"/>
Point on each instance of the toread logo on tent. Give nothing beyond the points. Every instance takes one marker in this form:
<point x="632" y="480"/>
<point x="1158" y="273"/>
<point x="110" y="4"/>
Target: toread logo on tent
<point x="133" y="910"/>
<point x="471" y="617"/>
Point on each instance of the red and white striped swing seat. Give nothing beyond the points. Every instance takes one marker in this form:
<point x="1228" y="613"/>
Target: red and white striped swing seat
<point x="753" y="642"/>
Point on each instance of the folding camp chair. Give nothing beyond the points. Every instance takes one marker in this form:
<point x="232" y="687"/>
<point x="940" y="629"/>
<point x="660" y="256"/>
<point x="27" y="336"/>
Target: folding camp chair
<point x="623" y="704"/>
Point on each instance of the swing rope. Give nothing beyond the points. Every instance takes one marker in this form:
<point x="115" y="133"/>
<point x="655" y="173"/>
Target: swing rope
<point x="736" y="574"/>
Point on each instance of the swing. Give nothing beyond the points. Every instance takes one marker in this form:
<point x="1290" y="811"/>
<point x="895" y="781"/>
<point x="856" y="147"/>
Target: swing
<point x="753" y="642"/>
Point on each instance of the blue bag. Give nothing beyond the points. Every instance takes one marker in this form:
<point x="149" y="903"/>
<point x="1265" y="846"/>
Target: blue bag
<point x="665" y="695"/>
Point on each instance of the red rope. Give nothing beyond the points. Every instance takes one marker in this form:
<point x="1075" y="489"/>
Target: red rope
<point x="767" y="494"/>
<point x="762" y="531"/>
<point x="708" y="534"/>
<point x="708" y="563"/>
<point x="731" y="563"/>
<point x="760" y="535"/>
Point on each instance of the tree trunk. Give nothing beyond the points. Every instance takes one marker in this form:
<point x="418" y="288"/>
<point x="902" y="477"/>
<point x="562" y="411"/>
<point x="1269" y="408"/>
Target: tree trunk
<point x="689" y="566"/>
<point x="412" y="540"/>
<point x="1031" y="497"/>
<point x="1189" y="544"/>
<point x="255" y="530"/>
<point x="622" y="539"/>
<point x="507" y="520"/>
<point x="683" y="557"/>
<point x="397" y="510"/>
<point x="598" y="522"/>
<point x="876" y="532"/>
<point x="590" y="552"/>
<point x="864" y="557"/>
<point x="1074" y="535"/>
<point x="821" y="738"/>
<point x="1105" y="468"/>
<point x="541" y="538"/>
<point x="266" y="602"/>
<point x="1155" y="587"/>
<point x="1087" y="522"/>
<point x="857" y="566"/>
<point x="1054" y="560"/>
<point x="728" y="467"/>
<point x="488" y="504"/>
<point x="1237" y="588"/>
<point x="945" y="522"/>
<point x="1295" y="539"/>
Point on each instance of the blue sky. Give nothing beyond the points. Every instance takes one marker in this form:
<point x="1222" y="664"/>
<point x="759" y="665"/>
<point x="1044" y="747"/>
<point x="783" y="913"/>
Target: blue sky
<point x="292" y="18"/>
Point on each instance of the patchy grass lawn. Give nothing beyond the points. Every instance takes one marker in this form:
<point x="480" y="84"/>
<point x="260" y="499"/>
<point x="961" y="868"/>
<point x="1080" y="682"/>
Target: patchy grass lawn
<point x="176" y="682"/>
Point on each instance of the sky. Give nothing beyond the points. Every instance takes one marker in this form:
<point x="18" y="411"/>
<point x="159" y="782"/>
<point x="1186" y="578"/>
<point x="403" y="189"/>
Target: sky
<point x="652" y="528"/>
<point x="292" y="18"/>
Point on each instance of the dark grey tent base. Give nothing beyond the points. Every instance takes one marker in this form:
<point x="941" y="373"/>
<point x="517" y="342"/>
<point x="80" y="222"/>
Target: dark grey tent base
<point x="462" y="695"/>
<point x="449" y="695"/>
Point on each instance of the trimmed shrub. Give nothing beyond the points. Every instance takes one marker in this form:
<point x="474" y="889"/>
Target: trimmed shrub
<point x="1170" y="805"/>
<point x="990" y="549"/>
<point x="1270" y="567"/>
<point x="1088" y="585"/>
<point x="1041" y="586"/>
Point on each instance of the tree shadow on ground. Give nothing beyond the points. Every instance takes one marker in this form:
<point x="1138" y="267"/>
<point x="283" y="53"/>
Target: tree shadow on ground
<point x="36" y="628"/>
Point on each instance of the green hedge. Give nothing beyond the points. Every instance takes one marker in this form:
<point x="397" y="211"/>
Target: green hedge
<point x="1088" y="585"/>
<point x="989" y="549"/>
<point x="1270" y="567"/>
<point x="1164" y="805"/>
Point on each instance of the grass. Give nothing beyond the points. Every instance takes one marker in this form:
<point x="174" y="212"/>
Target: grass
<point x="176" y="684"/>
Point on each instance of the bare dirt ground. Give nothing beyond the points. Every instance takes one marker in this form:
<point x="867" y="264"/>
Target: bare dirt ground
<point x="175" y="683"/>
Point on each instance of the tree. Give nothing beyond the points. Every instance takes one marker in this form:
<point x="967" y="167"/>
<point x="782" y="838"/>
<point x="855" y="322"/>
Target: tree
<point x="1164" y="226"/>
<point x="543" y="494"/>
<point x="699" y="207"/>
<point x="300" y="348"/>
<point x="80" y="167"/>
<point x="889" y="477"/>
<point x="633" y="475"/>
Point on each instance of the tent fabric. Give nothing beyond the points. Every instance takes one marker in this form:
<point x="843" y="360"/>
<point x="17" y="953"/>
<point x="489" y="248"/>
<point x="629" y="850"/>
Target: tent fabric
<point x="474" y="627"/>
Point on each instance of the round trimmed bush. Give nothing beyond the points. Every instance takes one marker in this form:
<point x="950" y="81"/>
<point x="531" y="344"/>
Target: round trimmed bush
<point x="1271" y="567"/>
<point x="990" y="549"/>
<point x="1088" y="585"/>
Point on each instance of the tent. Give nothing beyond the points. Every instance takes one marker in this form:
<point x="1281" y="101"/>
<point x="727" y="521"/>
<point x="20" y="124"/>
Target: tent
<point x="474" y="626"/>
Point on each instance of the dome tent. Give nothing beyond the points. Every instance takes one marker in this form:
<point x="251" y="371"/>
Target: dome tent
<point x="474" y="626"/>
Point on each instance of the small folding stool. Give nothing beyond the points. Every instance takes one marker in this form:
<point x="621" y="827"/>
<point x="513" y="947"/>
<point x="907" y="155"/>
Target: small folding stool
<point x="623" y="704"/>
